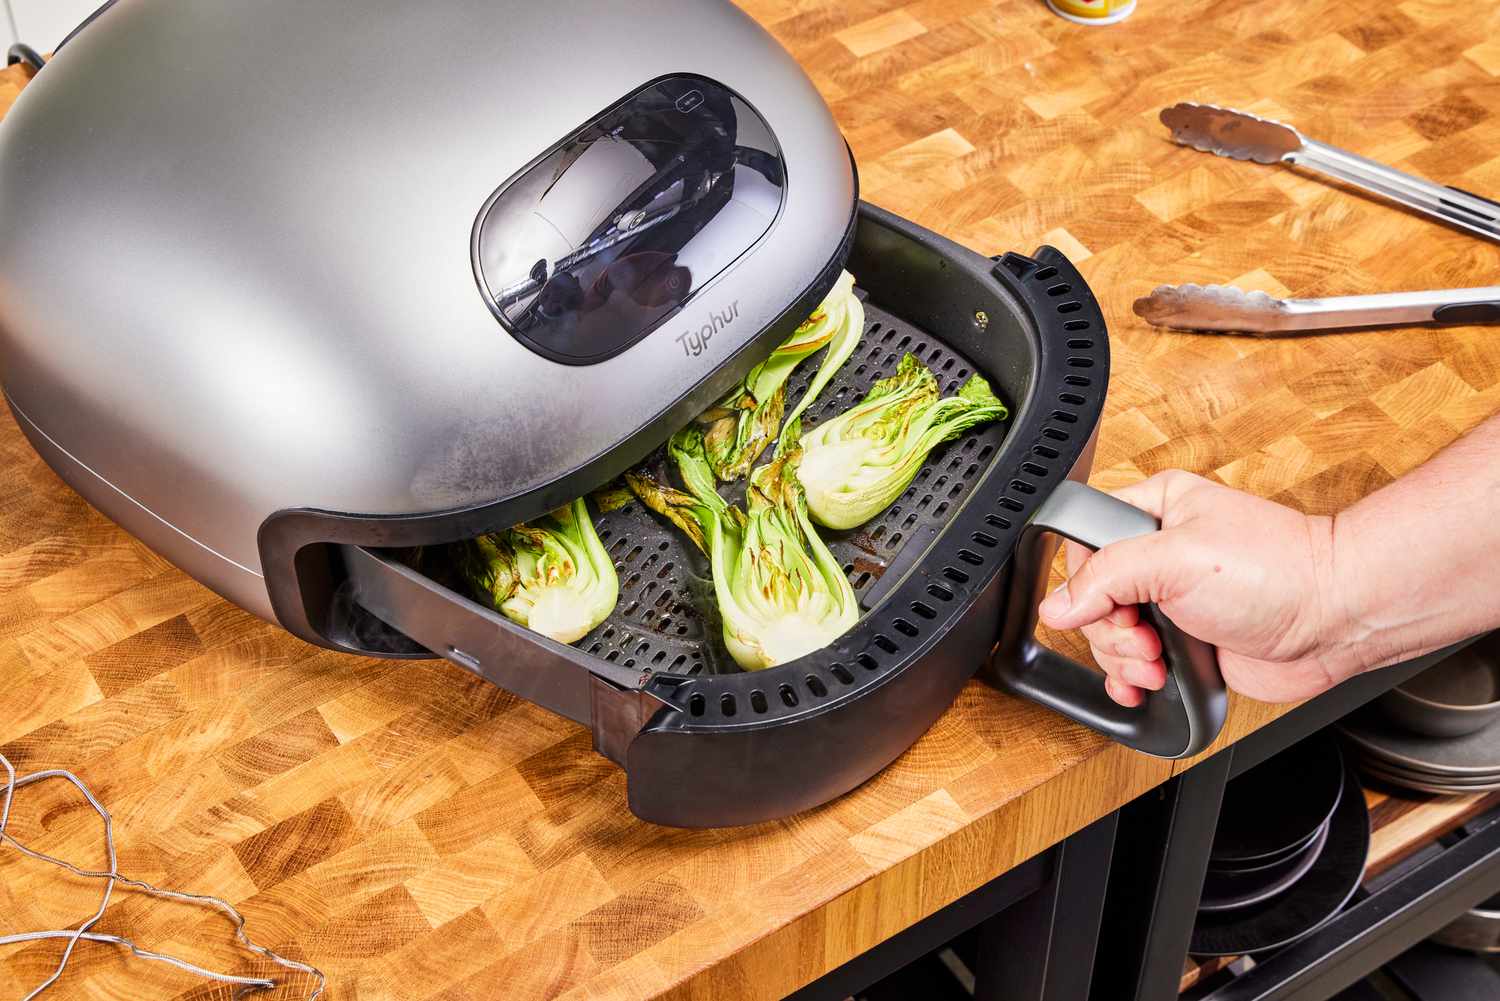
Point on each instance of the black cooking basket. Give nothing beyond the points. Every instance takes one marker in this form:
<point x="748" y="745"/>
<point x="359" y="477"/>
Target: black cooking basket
<point x="954" y="567"/>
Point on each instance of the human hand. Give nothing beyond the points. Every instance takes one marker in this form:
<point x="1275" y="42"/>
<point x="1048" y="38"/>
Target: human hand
<point x="1250" y="576"/>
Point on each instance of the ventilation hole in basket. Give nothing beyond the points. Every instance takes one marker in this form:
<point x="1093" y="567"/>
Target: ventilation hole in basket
<point x="643" y="649"/>
<point x="664" y="623"/>
<point x="864" y="579"/>
<point x="921" y="608"/>
<point x="666" y="568"/>
<point x="1042" y="274"/>
<point x="1080" y="343"/>
<point x="927" y="499"/>
<point x="1070" y="307"/>
<point x="1071" y="398"/>
<point x="891" y="332"/>
<point x="609" y="632"/>
<point x="1011" y="504"/>
<point x="632" y="580"/>
<point x="941" y="509"/>
<point x="1056" y="434"/>
<point x="995" y="521"/>
<point x="1021" y="486"/>
<point x="875" y="535"/>
<point x="949" y="364"/>
<point x="696" y="668"/>
<point x="696" y="705"/>
<point x="1045" y="451"/>
<point x="816" y="686"/>
<point x="896" y="537"/>
<point x="604" y="534"/>
<point x="861" y="370"/>
<point x="970" y="557"/>
<point x="758" y="701"/>
<point x="1076" y="325"/>
<point x="634" y="553"/>
<point x="867" y="662"/>
<point x="841" y="672"/>
<point x="662" y="599"/>
<point x="630" y="608"/>
<point x="956" y="575"/>
<point x="958" y="488"/>
<point x="911" y="520"/>
<point x="681" y="659"/>
<point x="1065" y="417"/>
<point x="612" y="656"/>
<point x="621" y="544"/>
<point x="661" y="655"/>
<point x="682" y="630"/>
<point x="596" y="648"/>
<point x="630" y="662"/>
<point x="650" y="561"/>
<point x="985" y="539"/>
<point x="905" y="628"/>
<point x="1061" y="288"/>
<point x="963" y="373"/>
<point x="788" y="695"/>
<point x="1081" y="362"/>
<point x="848" y="569"/>
<point x="727" y="706"/>
<point x="1034" y="469"/>
<point x="1078" y="380"/>
<point x="985" y="453"/>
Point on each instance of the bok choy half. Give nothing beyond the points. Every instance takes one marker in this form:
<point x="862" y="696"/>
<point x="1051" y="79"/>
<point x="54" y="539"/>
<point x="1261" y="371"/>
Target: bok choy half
<point x="781" y="593"/>
<point x="740" y="426"/>
<point x="551" y="575"/>
<point x="855" y="465"/>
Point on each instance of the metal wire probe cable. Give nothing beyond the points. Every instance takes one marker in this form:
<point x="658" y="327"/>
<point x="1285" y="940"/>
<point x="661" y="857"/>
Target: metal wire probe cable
<point x="113" y="877"/>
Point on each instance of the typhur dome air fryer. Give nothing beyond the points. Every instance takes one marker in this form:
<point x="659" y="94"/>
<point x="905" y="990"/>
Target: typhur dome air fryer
<point x="292" y="283"/>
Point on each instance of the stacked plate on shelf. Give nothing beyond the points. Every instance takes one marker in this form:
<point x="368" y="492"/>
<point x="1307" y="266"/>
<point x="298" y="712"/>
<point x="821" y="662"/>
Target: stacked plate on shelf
<point x="1440" y="731"/>
<point x="1288" y="853"/>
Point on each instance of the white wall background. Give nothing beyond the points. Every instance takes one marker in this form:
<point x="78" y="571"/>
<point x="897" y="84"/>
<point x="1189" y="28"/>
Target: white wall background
<point x="41" y="23"/>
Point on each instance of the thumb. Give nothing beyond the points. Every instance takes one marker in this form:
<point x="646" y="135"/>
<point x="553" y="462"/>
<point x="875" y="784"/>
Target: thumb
<point x="1118" y="574"/>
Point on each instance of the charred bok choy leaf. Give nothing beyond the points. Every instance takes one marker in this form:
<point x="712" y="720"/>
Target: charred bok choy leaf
<point x="781" y="593"/>
<point x="855" y="465"/>
<point x="551" y="575"/>
<point x="740" y="426"/>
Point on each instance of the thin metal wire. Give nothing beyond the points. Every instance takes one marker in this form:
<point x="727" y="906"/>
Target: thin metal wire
<point x="113" y="876"/>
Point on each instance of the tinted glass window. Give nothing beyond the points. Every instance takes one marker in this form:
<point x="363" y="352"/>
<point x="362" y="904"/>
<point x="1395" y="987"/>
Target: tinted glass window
<point x="591" y="248"/>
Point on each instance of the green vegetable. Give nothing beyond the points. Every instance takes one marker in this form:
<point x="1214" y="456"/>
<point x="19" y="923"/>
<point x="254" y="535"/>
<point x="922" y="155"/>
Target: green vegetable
<point x="749" y="418"/>
<point x="551" y="575"/>
<point x="855" y="465"/>
<point x="781" y="594"/>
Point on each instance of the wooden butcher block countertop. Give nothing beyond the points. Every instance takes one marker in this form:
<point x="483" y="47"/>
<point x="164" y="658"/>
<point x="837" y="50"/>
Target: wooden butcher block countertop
<point x="419" y="834"/>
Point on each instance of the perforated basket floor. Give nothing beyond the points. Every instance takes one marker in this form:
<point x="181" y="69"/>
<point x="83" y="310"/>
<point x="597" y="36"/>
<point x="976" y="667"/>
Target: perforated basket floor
<point x="666" y="618"/>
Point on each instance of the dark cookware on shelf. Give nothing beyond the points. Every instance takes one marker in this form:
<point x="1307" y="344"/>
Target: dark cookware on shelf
<point x="316" y="353"/>
<point x="1277" y="808"/>
<point x="1307" y="903"/>
<point x="1443" y="765"/>
<point x="1458" y="696"/>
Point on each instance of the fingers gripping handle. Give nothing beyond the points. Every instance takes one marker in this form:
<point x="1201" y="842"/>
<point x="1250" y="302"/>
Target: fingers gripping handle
<point x="1181" y="719"/>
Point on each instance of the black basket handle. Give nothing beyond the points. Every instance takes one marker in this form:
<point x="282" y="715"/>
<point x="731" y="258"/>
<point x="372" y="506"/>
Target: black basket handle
<point x="1176" y="722"/>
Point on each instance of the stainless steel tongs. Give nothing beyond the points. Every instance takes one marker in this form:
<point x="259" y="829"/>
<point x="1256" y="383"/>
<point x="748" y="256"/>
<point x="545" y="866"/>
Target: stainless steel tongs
<point x="1243" y="136"/>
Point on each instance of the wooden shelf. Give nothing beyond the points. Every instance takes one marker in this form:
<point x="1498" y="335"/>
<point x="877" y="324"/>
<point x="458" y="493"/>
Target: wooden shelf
<point x="1401" y="822"/>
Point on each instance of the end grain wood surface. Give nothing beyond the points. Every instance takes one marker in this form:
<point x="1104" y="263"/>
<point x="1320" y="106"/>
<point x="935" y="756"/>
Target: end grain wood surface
<point x="418" y="834"/>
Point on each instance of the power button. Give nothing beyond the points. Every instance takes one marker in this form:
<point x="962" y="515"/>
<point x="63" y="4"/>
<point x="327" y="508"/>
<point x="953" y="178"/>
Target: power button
<point x="689" y="101"/>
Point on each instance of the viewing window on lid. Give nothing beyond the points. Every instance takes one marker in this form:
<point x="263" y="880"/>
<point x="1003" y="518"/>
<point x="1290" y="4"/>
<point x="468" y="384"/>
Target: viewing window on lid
<point x="607" y="235"/>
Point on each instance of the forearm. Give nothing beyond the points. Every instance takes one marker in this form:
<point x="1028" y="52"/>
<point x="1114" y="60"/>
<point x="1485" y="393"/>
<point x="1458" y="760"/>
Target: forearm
<point x="1416" y="565"/>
